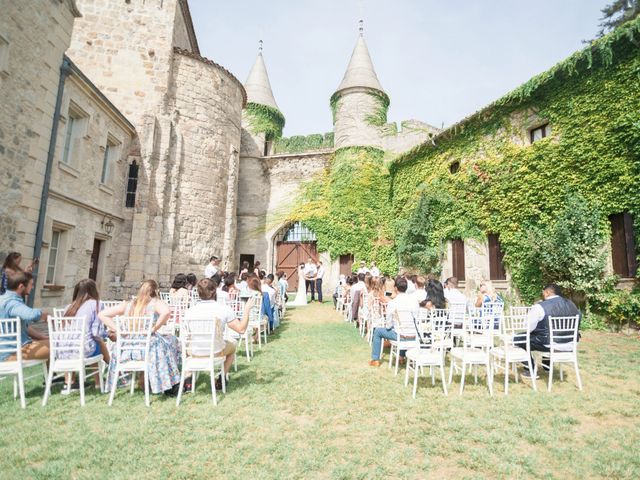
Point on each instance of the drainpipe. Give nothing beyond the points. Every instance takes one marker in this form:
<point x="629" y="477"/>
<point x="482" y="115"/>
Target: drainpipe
<point x="65" y="70"/>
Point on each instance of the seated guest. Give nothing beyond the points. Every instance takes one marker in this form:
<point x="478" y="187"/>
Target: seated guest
<point x="356" y="292"/>
<point x="242" y="285"/>
<point x="179" y="288"/>
<point x="435" y="295"/>
<point x="268" y="298"/>
<point x="339" y="289"/>
<point x="403" y="302"/>
<point x="451" y="292"/>
<point x="164" y="350"/>
<point x="86" y="303"/>
<point x="486" y="294"/>
<point x="19" y="285"/>
<point x="552" y="305"/>
<point x="191" y="281"/>
<point x="420" y="293"/>
<point x="208" y="307"/>
<point x="411" y="283"/>
<point x="11" y="266"/>
<point x="229" y="284"/>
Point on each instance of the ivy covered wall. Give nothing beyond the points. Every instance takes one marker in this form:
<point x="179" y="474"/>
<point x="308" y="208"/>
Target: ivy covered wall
<point x="508" y="186"/>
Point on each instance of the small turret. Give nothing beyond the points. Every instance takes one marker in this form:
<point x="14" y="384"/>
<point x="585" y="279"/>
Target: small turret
<point x="262" y="118"/>
<point x="360" y="104"/>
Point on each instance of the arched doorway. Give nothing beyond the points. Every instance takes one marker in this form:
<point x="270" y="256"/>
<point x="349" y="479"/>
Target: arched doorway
<point x="295" y="243"/>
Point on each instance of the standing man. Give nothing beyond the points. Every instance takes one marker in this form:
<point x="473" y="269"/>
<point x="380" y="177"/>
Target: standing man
<point x="310" y="271"/>
<point x="375" y="271"/>
<point x="319" y="276"/>
<point x="363" y="268"/>
<point x="212" y="268"/>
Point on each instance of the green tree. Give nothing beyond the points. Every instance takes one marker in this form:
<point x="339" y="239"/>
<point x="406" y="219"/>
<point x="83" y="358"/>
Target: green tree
<point x="617" y="13"/>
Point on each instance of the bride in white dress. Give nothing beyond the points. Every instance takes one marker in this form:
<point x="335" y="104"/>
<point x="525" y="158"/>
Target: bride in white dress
<point x="301" y="295"/>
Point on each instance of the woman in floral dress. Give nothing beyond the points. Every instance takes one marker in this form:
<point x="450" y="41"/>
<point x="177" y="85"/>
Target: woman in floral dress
<point x="164" y="350"/>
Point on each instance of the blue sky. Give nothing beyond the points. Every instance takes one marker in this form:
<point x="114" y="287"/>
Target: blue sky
<point x="438" y="60"/>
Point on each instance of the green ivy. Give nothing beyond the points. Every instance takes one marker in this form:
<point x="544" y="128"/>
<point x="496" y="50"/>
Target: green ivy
<point x="508" y="187"/>
<point x="333" y="103"/>
<point x="379" y="117"/>
<point x="265" y="119"/>
<point x="301" y="143"/>
<point x="347" y="207"/>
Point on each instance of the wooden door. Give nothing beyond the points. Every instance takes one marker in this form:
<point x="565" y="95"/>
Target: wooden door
<point x="95" y="259"/>
<point x="457" y="258"/>
<point x="346" y="264"/>
<point x="292" y="254"/>
<point x="496" y="266"/>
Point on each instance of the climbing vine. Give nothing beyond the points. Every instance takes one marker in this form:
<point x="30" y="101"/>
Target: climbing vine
<point x="507" y="186"/>
<point x="265" y="119"/>
<point x="347" y="207"/>
<point x="302" y="143"/>
<point x="379" y="117"/>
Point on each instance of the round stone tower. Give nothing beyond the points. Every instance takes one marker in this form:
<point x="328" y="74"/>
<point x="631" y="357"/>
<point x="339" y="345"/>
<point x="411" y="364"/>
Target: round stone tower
<point x="359" y="105"/>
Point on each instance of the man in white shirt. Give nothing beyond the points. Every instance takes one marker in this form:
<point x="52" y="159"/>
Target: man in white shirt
<point x="451" y="292"/>
<point x="212" y="268"/>
<point x="420" y="294"/>
<point x="411" y="286"/>
<point x="356" y="294"/>
<point x="363" y="268"/>
<point x="403" y="302"/>
<point x="375" y="271"/>
<point x="319" y="277"/>
<point x="208" y="307"/>
<point x="310" y="271"/>
<point x="553" y="305"/>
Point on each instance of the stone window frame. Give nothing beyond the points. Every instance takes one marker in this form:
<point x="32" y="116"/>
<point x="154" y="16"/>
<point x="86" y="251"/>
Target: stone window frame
<point x="64" y="241"/>
<point x="4" y="57"/>
<point x="77" y="123"/>
<point x="112" y="150"/>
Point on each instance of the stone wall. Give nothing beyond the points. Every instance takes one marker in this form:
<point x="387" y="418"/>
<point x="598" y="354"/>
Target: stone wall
<point x="33" y="39"/>
<point x="126" y="50"/>
<point x="411" y="133"/>
<point x="351" y="125"/>
<point x="208" y="103"/>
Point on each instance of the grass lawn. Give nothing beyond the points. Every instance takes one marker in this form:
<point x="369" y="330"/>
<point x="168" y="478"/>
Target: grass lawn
<point x="309" y="406"/>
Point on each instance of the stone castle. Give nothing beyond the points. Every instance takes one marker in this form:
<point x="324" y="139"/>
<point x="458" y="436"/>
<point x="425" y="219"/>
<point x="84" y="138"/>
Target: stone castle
<point x="127" y="155"/>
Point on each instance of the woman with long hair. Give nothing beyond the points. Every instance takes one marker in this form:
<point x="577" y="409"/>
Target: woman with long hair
<point x="86" y="303"/>
<point x="11" y="265"/>
<point x="192" y="281"/>
<point x="179" y="287"/>
<point x="486" y="294"/>
<point x="164" y="350"/>
<point x="435" y="294"/>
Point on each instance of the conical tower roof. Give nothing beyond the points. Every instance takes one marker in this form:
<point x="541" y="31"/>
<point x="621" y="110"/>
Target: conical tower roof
<point x="360" y="72"/>
<point x="258" y="86"/>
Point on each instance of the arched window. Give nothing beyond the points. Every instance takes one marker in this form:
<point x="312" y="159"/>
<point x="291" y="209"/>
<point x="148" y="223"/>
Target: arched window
<point x="298" y="232"/>
<point x="132" y="185"/>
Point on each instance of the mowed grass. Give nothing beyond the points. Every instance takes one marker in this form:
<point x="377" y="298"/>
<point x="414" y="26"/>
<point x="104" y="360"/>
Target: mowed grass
<point x="309" y="406"/>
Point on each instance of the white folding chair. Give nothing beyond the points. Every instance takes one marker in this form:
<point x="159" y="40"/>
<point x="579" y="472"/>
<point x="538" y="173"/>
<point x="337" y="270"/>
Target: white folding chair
<point x="177" y="306"/>
<point x="194" y="297"/>
<point x="66" y="342"/>
<point x="11" y="345"/>
<point x="435" y="338"/>
<point x="348" y="314"/>
<point x="563" y="347"/>
<point x="244" y="339"/>
<point x="495" y="311"/>
<point x="477" y="341"/>
<point x="132" y="351"/>
<point x="340" y="298"/>
<point x="519" y="311"/>
<point x="457" y="312"/>
<point x="513" y="351"/>
<point x="109" y="303"/>
<point x="363" y="312"/>
<point x="377" y="318"/>
<point x="258" y="321"/>
<point x="405" y="328"/>
<point x="198" y="337"/>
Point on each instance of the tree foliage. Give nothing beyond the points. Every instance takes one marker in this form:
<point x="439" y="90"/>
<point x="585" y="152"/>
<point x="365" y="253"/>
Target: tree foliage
<point x="617" y="13"/>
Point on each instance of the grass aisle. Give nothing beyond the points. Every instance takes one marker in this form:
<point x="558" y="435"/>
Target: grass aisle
<point x="309" y="406"/>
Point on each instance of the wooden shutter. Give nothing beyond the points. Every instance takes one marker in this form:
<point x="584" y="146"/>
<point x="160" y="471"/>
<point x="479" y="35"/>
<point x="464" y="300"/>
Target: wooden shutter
<point x="630" y="244"/>
<point x="619" y="245"/>
<point x="457" y="258"/>
<point x="496" y="267"/>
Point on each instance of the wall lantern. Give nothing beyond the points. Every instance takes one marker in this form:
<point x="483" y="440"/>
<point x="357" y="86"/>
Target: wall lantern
<point x="107" y="225"/>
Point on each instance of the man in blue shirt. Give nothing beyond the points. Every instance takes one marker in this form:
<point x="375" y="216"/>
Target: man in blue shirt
<point x="12" y="305"/>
